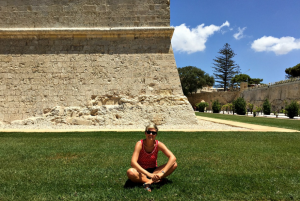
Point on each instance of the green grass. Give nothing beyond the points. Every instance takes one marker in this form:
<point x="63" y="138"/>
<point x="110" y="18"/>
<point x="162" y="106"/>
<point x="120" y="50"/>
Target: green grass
<point x="92" y="166"/>
<point x="281" y="123"/>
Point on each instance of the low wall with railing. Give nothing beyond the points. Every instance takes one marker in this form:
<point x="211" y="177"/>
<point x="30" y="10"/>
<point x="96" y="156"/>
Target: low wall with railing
<point x="279" y="83"/>
<point x="277" y="93"/>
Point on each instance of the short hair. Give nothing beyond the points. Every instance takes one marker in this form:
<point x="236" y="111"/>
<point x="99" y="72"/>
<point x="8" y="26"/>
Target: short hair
<point x="151" y="126"/>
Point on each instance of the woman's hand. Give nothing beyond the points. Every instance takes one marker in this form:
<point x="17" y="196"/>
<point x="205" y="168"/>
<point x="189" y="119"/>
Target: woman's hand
<point x="157" y="177"/>
<point x="150" y="175"/>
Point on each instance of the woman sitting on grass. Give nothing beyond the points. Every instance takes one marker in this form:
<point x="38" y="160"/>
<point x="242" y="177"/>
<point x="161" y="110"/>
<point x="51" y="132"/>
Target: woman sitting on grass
<point x="144" y="160"/>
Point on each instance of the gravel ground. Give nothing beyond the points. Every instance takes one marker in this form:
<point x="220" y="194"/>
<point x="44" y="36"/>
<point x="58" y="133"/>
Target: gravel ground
<point x="48" y="126"/>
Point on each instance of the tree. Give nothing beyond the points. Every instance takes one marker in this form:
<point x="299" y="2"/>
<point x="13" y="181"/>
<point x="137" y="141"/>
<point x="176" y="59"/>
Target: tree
<point x="258" y="109"/>
<point x="216" y="106"/>
<point x="240" y="106"/>
<point x="193" y="78"/>
<point x="250" y="107"/>
<point x="225" y="67"/>
<point x="293" y="71"/>
<point x="255" y="81"/>
<point x="237" y="79"/>
<point x="224" y="107"/>
<point x="201" y="106"/>
<point x="266" y="107"/>
<point x="292" y="109"/>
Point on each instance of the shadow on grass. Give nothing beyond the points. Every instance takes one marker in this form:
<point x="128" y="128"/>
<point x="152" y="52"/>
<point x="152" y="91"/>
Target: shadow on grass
<point x="129" y="184"/>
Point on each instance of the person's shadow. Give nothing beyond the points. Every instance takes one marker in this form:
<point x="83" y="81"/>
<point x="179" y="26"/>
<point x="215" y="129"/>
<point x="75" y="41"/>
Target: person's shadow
<point x="129" y="184"/>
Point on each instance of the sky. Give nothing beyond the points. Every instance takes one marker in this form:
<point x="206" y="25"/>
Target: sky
<point x="264" y="34"/>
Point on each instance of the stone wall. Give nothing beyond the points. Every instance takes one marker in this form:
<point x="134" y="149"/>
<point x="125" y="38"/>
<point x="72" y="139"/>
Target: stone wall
<point x="224" y="97"/>
<point x="35" y="76"/>
<point x="277" y="95"/>
<point x="84" y="13"/>
<point x="58" y="62"/>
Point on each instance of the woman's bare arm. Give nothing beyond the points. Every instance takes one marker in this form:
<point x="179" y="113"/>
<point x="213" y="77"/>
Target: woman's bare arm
<point x="172" y="159"/>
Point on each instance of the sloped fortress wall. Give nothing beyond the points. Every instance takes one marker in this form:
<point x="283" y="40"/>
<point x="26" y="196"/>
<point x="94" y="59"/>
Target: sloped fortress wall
<point x="90" y="62"/>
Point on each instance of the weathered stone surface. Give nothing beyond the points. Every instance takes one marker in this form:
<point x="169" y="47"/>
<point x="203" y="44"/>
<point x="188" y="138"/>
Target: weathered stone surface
<point x="78" y="121"/>
<point x="161" y="110"/>
<point x="84" y="13"/>
<point x="221" y="96"/>
<point x="29" y="121"/>
<point x="86" y="62"/>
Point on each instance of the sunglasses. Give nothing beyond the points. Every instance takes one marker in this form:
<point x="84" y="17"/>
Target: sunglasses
<point x="153" y="132"/>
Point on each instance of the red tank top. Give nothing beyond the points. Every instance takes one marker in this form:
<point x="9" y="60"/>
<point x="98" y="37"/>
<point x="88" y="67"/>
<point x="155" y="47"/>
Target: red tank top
<point x="148" y="160"/>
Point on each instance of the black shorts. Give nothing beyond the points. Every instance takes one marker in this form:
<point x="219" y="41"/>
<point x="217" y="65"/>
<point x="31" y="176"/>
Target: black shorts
<point x="151" y="170"/>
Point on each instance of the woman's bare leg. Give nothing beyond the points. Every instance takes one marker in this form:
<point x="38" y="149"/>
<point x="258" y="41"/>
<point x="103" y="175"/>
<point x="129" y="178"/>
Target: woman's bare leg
<point x="170" y="171"/>
<point x="137" y="177"/>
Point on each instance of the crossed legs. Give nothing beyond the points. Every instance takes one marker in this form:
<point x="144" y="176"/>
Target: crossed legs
<point x="137" y="177"/>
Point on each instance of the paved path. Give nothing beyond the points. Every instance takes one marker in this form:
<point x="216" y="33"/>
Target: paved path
<point x="243" y="127"/>
<point x="251" y="127"/>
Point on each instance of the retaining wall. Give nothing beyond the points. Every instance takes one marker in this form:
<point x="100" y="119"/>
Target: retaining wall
<point x="276" y="94"/>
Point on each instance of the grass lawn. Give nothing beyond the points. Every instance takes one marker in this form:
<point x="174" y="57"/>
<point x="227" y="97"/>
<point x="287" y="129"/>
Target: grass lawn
<point x="264" y="121"/>
<point x="92" y="166"/>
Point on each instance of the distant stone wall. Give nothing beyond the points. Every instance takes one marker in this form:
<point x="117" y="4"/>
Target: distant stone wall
<point x="277" y="95"/>
<point x="224" y="97"/>
<point x="84" y="13"/>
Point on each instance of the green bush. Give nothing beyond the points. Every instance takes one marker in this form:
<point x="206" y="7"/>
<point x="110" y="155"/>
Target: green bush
<point x="267" y="107"/>
<point x="224" y="107"/>
<point x="230" y="106"/>
<point x="202" y="106"/>
<point x="216" y="106"/>
<point x="240" y="106"/>
<point x="250" y="106"/>
<point x="258" y="110"/>
<point x="282" y="111"/>
<point x="292" y="109"/>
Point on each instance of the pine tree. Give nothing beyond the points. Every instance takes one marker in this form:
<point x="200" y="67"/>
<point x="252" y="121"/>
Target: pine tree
<point x="225" y="67"/>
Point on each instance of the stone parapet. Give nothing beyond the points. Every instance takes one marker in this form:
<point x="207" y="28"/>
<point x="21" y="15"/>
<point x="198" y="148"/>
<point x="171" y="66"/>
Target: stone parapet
<point x="84" y="13"/>
<point x="116" y="32"/>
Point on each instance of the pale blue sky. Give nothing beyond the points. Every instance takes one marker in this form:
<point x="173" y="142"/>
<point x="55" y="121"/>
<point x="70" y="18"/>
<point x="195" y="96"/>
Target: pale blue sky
<point x="265" y="34"/>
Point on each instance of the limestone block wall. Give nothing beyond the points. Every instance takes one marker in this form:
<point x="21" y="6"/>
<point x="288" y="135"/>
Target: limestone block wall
<point x="84" y="13"/>
<point x="223" y="97"/>
<point x="277" y="95"/>
<point x="43" y="73"/>
<point x="91" y="62"/>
